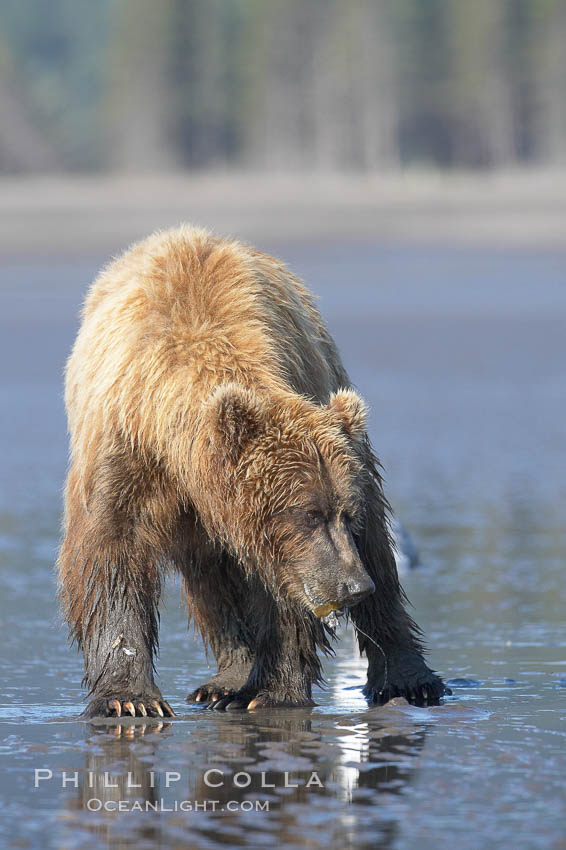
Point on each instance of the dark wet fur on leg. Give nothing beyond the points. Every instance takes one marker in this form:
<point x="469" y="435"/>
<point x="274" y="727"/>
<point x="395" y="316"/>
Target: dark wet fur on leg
<point x="110" y="583"/>
<point x="386" y="633"/>
<point x="224" y="620"/>
<point x="286" y="664"/>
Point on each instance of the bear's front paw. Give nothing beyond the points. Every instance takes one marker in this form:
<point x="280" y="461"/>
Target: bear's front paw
<point x="250" y="700"/>
<point x="143" y="705"/>
<point x="418" y="685"/>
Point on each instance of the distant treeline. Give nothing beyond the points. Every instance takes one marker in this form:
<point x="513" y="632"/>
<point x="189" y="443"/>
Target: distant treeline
<point x="324" y="84"/>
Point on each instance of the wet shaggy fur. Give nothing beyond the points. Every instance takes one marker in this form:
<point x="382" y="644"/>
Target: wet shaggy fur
<point x="214" y="430"/>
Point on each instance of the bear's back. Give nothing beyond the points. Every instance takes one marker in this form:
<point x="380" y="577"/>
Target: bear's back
<point x="188" y="307"/>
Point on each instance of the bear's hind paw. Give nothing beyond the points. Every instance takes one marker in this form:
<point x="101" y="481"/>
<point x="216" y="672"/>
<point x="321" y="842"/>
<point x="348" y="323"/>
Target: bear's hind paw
<point x="249" y="701"/>
<point x="227" y="682"/>
<point x="209" y="693"/>
<point x="264" y="700"/>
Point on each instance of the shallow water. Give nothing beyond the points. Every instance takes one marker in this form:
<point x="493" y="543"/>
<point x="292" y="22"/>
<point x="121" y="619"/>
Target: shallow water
<point x="461" y="356"/>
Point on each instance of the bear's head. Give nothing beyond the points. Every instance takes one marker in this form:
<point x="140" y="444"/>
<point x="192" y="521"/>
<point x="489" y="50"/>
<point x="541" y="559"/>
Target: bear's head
<point x="287" y="491"/>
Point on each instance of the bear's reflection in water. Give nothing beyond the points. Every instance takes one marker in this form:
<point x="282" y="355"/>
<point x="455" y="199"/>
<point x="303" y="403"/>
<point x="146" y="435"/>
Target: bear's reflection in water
<point x="289" y="778"/>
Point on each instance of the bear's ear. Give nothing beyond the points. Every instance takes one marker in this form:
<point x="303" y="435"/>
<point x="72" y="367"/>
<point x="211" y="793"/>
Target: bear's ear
<point x="351" y="410"/>
<point x="238" y="417"/>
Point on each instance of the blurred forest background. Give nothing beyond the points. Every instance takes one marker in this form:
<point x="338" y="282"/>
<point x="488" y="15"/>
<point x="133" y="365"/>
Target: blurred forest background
<point x="362" y="85"/>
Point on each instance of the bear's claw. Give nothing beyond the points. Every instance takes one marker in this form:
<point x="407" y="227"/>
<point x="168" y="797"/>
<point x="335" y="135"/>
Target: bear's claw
<point x="141" y="707"/>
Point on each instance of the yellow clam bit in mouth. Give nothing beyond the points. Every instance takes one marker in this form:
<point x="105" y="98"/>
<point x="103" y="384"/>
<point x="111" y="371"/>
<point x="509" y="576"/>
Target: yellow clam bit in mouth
<point x="324" y="610"/>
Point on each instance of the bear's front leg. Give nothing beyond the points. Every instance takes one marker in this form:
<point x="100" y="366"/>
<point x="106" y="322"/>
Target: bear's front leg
<point x="109" y="591"/>
<point x="119" y="668"/>
<point x="396" y="666"/>
<point x="402" y="673"/>
<point x="286" y="664"/>
<point x="386" y="633"/>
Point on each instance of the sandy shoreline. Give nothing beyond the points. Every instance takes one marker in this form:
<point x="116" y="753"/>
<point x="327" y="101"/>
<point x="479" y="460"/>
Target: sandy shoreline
<point x="77" y="216"/>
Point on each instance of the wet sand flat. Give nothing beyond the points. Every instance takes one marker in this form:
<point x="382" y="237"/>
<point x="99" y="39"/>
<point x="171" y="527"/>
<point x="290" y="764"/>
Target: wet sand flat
<point x="460" y="352"/>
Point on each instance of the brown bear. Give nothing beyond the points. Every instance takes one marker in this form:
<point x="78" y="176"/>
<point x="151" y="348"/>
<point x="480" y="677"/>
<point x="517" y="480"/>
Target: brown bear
<point x="215" y="430"/>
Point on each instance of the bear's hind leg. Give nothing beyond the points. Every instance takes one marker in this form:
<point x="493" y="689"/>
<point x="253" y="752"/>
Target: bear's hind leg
<point x="218" y="598"/>
<point x="286" y="662"/>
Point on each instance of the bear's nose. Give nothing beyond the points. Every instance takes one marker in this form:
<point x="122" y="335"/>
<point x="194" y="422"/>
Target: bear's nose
<point x="355" y="589"/>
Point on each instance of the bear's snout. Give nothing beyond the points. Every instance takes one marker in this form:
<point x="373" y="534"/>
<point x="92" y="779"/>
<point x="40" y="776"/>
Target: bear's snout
<point x="333" y="577"/>
<point x="354" y="590"/>
<point x="346" y="593"/>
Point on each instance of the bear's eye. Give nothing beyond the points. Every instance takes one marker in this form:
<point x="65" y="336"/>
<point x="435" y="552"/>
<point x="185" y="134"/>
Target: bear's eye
<point x="314" y="518"/>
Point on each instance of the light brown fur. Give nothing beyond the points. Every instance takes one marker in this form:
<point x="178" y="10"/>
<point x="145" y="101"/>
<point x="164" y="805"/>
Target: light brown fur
<point x="205" y="401"/>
